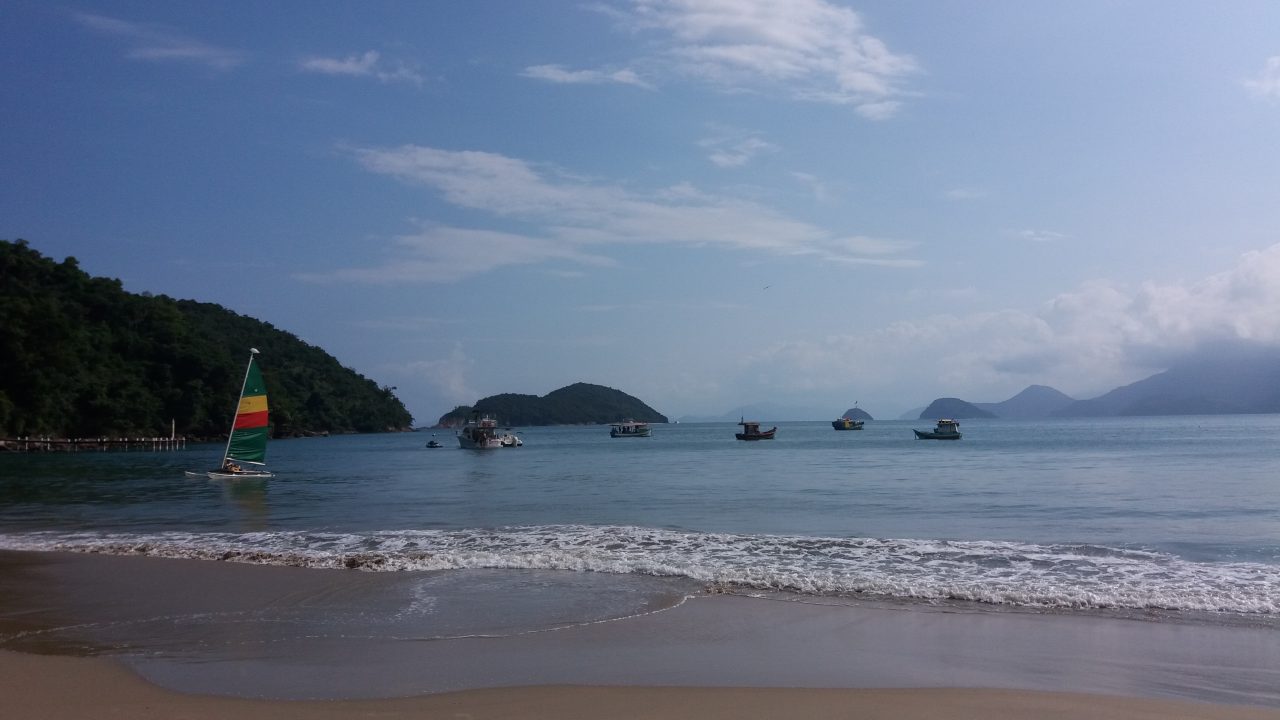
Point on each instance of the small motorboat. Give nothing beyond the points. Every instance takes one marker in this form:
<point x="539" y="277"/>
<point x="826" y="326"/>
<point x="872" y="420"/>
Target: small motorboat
<point x="433" y="444"/>
<point x="751" y="431"/>
<point x="845" y="423"/>
<point x="946" y="430"/>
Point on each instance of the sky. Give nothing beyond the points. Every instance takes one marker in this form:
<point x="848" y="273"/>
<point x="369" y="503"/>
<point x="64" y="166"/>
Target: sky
<point x="703" y="203"/>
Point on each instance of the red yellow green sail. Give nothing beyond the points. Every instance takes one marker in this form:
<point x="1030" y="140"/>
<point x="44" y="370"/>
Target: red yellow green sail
<point x="248" y="441"/>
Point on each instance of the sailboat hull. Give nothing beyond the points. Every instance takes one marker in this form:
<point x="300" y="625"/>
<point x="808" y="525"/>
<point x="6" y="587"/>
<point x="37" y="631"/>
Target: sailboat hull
<point x="218" y="475"/>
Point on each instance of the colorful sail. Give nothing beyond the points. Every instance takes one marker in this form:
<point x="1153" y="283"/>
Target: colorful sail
<point x="248" y="442"/>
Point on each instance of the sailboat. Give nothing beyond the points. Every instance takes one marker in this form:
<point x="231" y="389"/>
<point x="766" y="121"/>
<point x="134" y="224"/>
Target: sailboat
<point x="247" y="442"/>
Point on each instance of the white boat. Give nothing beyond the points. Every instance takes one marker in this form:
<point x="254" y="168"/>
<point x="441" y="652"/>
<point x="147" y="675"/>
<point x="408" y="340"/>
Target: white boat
<point x="630" y="428"/>
<point x="247" y="441"/>
<point x="481" y="433"/>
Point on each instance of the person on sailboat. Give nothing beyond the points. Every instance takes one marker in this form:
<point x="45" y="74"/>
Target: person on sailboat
<point x="231" y="467"/>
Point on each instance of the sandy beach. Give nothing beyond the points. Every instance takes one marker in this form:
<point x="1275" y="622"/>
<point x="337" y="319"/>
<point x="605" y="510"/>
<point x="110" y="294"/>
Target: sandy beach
<point x="102" y="636"/>
<point x="68" y="688"/>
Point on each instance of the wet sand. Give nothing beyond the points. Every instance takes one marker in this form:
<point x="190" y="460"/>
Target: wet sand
<point x="181" y="638"/>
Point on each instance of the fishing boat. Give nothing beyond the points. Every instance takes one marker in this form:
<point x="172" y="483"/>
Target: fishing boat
<point x="630" y="428"/>
<point x="751" y="431"/>
<point x="946" y="430"/>
<point x="845" y="423"/>
<point x="481" y="433"/>
<point x="247" y="442"/>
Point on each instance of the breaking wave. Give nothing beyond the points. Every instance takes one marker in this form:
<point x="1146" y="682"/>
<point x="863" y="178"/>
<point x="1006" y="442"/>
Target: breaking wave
<point x="1077" y="576"/>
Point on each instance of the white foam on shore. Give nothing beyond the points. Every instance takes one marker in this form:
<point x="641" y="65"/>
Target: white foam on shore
<point x="1005" y="573"/>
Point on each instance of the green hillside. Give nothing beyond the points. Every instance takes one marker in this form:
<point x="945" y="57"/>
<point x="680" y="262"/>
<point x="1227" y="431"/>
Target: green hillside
<point x="577" y="404"/>
<point x="81" y="357"/>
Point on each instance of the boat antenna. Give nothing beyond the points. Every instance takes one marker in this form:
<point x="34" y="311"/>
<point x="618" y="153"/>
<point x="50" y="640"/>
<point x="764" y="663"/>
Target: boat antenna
<point x="243" y="384"/>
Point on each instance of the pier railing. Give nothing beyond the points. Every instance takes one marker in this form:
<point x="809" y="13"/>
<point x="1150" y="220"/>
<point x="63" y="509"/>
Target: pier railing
<point x="47" y="444"/>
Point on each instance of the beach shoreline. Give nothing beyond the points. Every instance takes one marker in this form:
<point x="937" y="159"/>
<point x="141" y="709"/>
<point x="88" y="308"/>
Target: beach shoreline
<point x="79" y="688"/>
<point x="176" y="634"/>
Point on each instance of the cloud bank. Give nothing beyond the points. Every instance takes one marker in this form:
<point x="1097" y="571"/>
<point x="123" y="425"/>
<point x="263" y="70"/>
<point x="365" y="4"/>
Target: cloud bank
<point x="367" y="65"/>
<point x="560" y="75"/>
<point x="575" y="220"/>
<point x="1267" y="84"/>
<point x="1083" y="342"/>
<point x="157" y="43"/>
<point x="805" y="49"/>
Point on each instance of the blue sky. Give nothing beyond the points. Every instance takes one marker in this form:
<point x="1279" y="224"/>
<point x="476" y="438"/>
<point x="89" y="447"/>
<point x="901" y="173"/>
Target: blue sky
<point x="703" y="203"/>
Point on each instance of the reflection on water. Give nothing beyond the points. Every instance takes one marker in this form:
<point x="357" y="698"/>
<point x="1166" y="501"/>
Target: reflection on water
<point x="250" y="497"/>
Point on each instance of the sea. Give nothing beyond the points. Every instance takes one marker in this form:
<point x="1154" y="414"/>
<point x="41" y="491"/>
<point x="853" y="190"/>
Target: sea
<point x="1176" y="518"/>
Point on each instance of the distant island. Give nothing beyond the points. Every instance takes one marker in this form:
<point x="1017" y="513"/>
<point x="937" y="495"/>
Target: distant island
<point x="84" y="358"/>
<point x="855" y="413"/>
<point x="954" y="408"/>
<point x="577" y="404"/>
<point x="1227" y="378"/>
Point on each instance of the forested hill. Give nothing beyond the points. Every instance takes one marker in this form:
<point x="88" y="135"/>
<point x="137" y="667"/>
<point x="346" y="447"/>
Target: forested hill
<point x="81" y="357"/>
<point x="577" y="404"/>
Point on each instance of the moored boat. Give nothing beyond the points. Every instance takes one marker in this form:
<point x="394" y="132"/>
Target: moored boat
<point x="630" y="428"/>
<point x="751" y="431"/>
<point x="947" y="429"/>
<point x="480" y="433"/>
<point x="845" y="423"/>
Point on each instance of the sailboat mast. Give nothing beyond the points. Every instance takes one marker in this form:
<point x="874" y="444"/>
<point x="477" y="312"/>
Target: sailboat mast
<point x="243" y="384"/>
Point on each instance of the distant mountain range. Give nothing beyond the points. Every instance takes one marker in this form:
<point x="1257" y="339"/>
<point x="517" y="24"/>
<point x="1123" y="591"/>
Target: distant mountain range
<point x="1230" y="378"/>
<point x="1036" y="401"/>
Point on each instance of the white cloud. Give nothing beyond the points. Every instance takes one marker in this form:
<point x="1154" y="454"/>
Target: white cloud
<point x="1084" y="342"/>
<point x="368" y="65"/>
<point x="157" y="43"/>
<point x="1267" y="84"/>
<point x="561" y="75"/>
<point x="815" y="185"/>
<point x="1039" y="236"/>
<point x="569" y="219"/>
<point x="447" y="254"/>
<point x="732" y="148"/>
<point x="446" y="377"/>
<point x="808" y="49"/>
<point x="356" y="65"/>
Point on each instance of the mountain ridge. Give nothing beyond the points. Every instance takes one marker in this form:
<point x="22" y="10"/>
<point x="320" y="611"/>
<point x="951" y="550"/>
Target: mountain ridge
<point x="82" y="357"/>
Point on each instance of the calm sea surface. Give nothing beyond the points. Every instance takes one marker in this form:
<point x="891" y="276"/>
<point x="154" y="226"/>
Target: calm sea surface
<point x="1179" y="515"/>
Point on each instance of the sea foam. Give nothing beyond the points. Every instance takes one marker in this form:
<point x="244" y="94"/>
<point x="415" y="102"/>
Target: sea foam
<point x="1006" y="573"/>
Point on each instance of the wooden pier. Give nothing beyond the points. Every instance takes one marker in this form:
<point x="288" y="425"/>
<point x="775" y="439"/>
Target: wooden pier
<point x="46" y="444"/>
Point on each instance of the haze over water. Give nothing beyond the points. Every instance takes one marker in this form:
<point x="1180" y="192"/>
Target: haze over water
<point x="1175" y="514"/>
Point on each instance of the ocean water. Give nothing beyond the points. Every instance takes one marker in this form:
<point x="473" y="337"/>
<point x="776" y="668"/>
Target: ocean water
<point x="1173" y="517"/>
